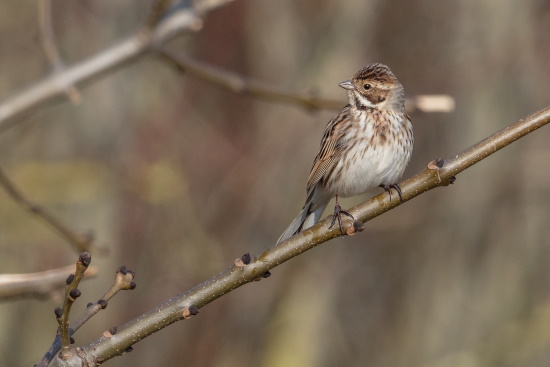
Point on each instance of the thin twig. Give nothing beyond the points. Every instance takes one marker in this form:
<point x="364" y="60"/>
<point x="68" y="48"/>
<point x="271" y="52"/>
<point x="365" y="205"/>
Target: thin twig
<point x="124" y="280"/>
<point x="239" y="84"/>
<point x="80" y="242"/>
<point x="50" y="48"/>
<point x="307" y="99"/>
<point x="245" y="269"/>
<point x="71" y="294"/>
<point x="36" y="285"/>
<point x="53" y="87"/>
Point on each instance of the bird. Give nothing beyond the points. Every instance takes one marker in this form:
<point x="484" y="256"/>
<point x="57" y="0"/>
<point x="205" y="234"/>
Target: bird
<point x="368" y="144"/>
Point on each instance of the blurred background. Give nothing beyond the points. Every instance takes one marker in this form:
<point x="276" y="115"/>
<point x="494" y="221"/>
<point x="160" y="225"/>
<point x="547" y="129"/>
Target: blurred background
<point x="177" y="177"/>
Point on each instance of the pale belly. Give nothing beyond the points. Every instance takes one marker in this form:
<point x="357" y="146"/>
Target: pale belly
<point x="381" y="166"/>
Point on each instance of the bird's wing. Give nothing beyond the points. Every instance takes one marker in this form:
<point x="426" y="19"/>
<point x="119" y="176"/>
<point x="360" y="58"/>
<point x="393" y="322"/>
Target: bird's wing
<point x="331" y="147"/>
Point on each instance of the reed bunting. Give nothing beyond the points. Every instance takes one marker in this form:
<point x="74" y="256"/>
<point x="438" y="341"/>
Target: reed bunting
<point x="368" y="144"/>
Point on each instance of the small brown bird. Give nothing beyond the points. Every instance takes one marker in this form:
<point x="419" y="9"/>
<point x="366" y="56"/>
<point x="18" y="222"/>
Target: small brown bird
<point x="368" y="144"/>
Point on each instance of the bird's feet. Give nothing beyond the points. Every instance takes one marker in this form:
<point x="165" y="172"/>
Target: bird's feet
<point x="338" y="211"/>
<point x="395" y="186"/>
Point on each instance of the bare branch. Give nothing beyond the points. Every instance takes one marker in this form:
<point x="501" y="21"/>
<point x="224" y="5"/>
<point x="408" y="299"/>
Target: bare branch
<point x="37" y="285"/>
<point x="53" y="87"/>
<point x="124" y="280"/>
<point x="245" y="270"/>
<point x="71" y="294"/>
<point x="307" y="99"/>
<point x="142" y="42"/>
<point x="80" y="242"/>
<point x="239" y="84"/>
<point x="50" y="48"/>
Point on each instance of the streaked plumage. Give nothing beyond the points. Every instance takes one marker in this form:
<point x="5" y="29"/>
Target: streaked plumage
<point x="368" y="144"/>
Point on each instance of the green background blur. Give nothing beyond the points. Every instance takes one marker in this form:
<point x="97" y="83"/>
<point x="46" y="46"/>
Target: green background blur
<point x="178" y="177"/>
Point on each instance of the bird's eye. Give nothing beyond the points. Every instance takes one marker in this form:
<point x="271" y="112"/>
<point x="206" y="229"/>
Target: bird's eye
<point x="366" y="86"/>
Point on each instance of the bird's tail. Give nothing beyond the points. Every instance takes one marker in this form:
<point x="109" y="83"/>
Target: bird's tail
<point x="309" y="216"/>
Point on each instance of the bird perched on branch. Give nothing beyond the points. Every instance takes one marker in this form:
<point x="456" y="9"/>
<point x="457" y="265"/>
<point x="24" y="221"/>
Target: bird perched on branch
<point x="368" y="144"/>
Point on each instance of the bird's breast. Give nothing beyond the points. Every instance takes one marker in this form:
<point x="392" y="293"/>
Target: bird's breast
<point x="377" y="154"/>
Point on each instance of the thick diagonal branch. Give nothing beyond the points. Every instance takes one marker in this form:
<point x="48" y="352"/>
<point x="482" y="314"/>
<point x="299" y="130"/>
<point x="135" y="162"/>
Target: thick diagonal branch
<point x="245" y="269"/>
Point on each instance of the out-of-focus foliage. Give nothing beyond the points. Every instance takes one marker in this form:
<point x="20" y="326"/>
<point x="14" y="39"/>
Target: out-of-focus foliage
<point x="178" y="177"/>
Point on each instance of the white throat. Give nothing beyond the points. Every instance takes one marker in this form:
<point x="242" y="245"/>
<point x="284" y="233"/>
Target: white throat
<point x="358" y="99"/>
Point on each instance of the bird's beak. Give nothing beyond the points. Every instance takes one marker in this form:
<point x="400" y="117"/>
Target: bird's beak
<point x="347" y="85"/>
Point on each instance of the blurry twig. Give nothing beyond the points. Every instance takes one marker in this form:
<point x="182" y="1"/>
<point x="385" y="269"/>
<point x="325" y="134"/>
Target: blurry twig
<point x="247" y="269"/>
<point x="307" y="99"/>
<point x="36" y="285"/>
<point x="54" y="86"/>
<point x="80" y="242"/>
<point x="240" y="84"/>
<point x="428" y="103"/>
<point x="50" y="48"/>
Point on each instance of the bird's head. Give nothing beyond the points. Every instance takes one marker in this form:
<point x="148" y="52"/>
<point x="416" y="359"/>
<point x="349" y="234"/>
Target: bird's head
<point x="375" y="86"/>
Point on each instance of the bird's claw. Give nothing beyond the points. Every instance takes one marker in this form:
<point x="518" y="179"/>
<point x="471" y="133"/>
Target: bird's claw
<point x="396" y="187"/>
<point x="338" y="211"/>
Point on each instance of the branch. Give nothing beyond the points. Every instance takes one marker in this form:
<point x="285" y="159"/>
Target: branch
<point x="157" y="32"/>
<point x="246" y="269"/>
<point x="124" y="280"/>
<point x="307" y="99"/>
<point x="80" y="242"/>
<point x="54" y="86"/>
<point x="38" y="285"/>
<point x="50" y="48"/>
<point x="71" y="294"/>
